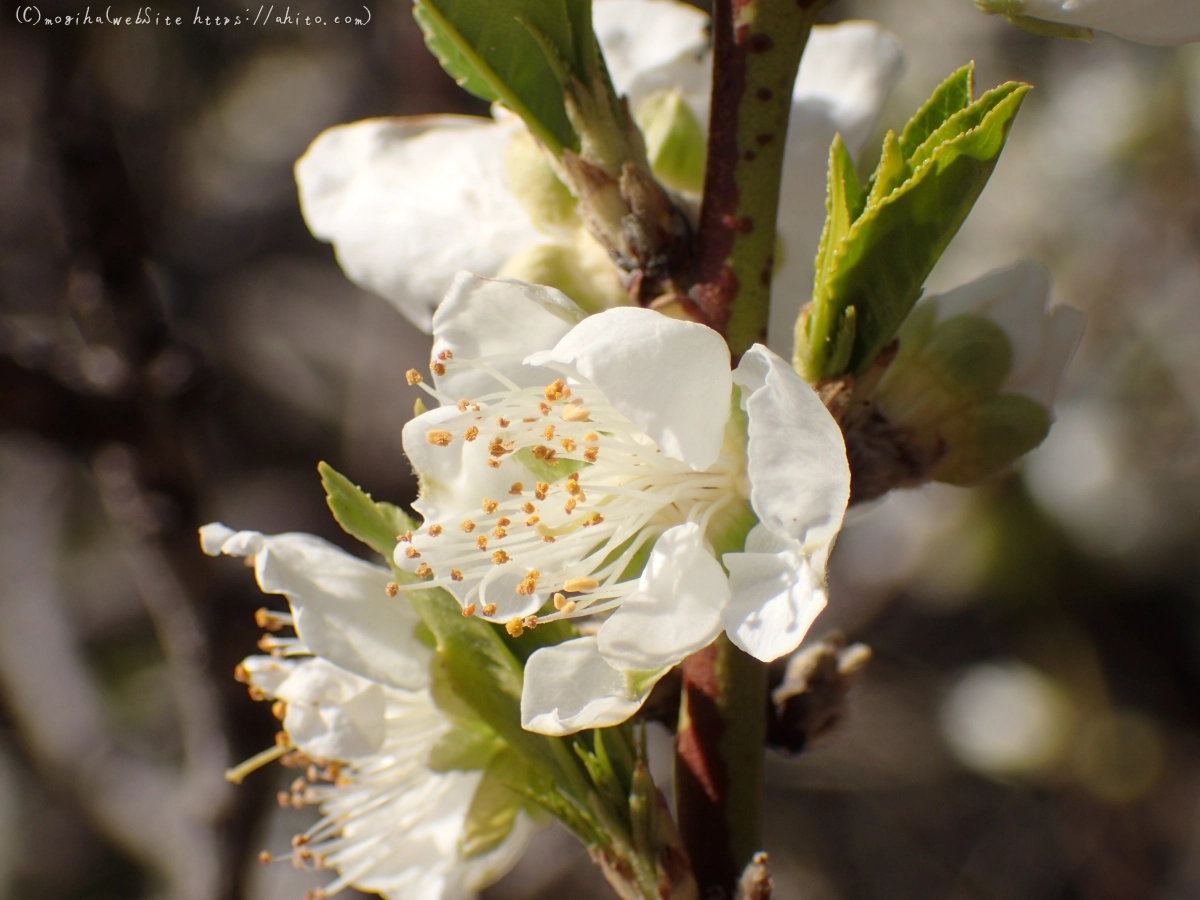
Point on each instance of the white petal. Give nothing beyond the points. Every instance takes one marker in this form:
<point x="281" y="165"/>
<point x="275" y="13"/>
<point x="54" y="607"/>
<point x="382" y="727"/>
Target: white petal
<point x="407" y="203"/>
<point x="1015" y="299"/>
<point x="796" y="458"/>
<point x="640" y="37"/>
<point x="1063" y="332"/>
<point x="846" y="75"/>
<point x="340" y="605"/>
<point x="454" y="479"/>
<point x="676" y="609"/>
<point x="497" y="316"/>
<point x="1148" y="21"/>
<point x="332" y="714"/>
<point x="266" y="673"/>
<point x="669" y="377"/>
<point x="777" y="594"/>
<point x="569" y="687"/>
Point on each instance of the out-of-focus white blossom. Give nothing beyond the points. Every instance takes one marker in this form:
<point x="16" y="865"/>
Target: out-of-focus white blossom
<point x="407" y="203"/>
<point x="1147" y="21"/>
<point x="390" y="824"/>
<point x="977" y="372"/>
<point x="570" y="449"/>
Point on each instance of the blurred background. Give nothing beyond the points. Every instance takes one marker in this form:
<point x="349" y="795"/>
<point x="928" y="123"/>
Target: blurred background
<point x="175" y="348"/>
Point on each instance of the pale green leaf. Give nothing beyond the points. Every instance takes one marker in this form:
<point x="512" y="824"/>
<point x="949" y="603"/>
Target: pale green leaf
<point x="375" y="524"/>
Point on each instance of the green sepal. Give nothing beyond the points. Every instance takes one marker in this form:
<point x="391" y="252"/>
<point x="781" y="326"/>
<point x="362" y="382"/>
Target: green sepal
<point x="878" y="264"/>
<point x="375" y="524"/>
<point x="516" y="52"/>
<point x="464" y="750"/>
<point x="503" y="792"/>
<point x="1013" y="10"/>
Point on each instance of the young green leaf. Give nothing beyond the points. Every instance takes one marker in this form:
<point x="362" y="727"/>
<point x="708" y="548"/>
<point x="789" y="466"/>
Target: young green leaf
<point x="871" y="272"/>
<point x="375" y="524"/>
<point x="517" y="53"/>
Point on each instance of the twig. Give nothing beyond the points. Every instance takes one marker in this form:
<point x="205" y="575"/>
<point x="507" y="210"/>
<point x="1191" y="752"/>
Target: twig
<point x="55" y="702"/>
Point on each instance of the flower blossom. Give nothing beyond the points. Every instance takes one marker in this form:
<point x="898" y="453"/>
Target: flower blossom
<point x="568" y="450"/>
<point x="409" y="202"/>
<point x="390" y="824"/>
<point x="978" y="369"/>
<point x="1145" y="21"/>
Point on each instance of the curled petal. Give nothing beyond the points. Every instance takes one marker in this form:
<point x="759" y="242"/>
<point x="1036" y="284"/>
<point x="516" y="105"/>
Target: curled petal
<point x="332" y="714"/>
<point x="407" y="203"/>
<point x="796" y="458"/>
<point x="569" y="687"/>
<point x="777" y="593"/>
<point x="676" y="609"/>
<point x="1169" y="22"/>
<point x="341" y="608"/>
<point x="667" y="376"/>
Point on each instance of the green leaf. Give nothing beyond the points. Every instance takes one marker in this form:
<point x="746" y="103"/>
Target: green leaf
<point x="871" y="273"/>
<point x="494" y="808"/>
<point x="375" y="524"/>
<point x="951" y="95"/>
<point x="517" y="52"/>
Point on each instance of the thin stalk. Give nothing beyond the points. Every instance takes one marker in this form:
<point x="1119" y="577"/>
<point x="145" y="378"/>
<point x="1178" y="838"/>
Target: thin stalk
<point x="719" y="763"/>
<point x="756" y="54"/>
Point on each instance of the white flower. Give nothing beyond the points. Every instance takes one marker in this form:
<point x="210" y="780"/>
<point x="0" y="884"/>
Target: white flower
<point x="390" y="824"/>
<point x="362" y="712"/>
<point x="407" y="203"/>
<point x="567" y="448"/>
<point x="1147" y="21"/>
<point x="978" y="370"/>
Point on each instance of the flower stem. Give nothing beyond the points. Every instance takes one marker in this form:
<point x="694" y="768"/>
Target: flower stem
<point x="756" y="54"/>
<point x="719" y="763"/>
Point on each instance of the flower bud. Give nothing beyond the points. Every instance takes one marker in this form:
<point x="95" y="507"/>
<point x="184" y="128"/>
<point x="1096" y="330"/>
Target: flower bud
<point x="974" y="381"/>
<point x="675" y="141"/>
<point x="546" y="200"/>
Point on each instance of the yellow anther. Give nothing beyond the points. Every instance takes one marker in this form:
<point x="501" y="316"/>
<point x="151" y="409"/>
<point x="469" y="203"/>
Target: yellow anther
<point x="439" y="438"/>
<point x="514" y="628"/>
<point x="503" y="522"/>
<point x="557" y="391"/>
<point x="548" y="539"/>
<point x="559" y="601"/>
<point x="499" y="557"/>
<point x="468" y="610"/>
<point x="532" y="520"/>
<point x="241" y="674"/>
<point x="437" y="368"/>
<point x="568" y="444"/>
<point x="516" y="489"/>
<point x="569" y="506"/>
<point x="471" y="433"/>
<point x="468" y="526"/>
<point x="267" y="620"/>
<point x="412" y="553"/>
<point x="489" y="506"/>
<point x="528" y="509"/>
<point x="413" y="377"/>
<point x="548" y="432"/>
<point x="545" y="408"/>
<point x="572" y="486"/>
<point x="456" y="575"/>
<point x="580" y="585"/>
<point x="279" y="709"/>
<point x="435" y="530"/>
<point x="445" y="355"/>
<point x="591" y="437"/>
<point x="424" y="571"/>
<point x="591" y="453"/>
<point x="499" y="532"/>
<point x="501" y="421"/>
<point x="392" y="589"/>
<point x="575" y="412"/>
<point x="530" y="622"/>
<point x="489" y="609"/>
<point x="463" y="404"/>
<point x="542" y="487"/>
<point x="493" y="463"/>
<point x="594" y="519"/>
<point x="481" y="542"/>
<point x="404" y="538"/>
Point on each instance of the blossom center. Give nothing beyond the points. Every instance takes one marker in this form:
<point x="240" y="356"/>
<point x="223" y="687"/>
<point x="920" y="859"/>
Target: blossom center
<point x="586" y="492"/>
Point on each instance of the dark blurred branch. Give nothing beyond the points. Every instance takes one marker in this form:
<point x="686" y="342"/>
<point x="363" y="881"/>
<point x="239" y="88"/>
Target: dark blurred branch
<point x="55" y="701"/>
